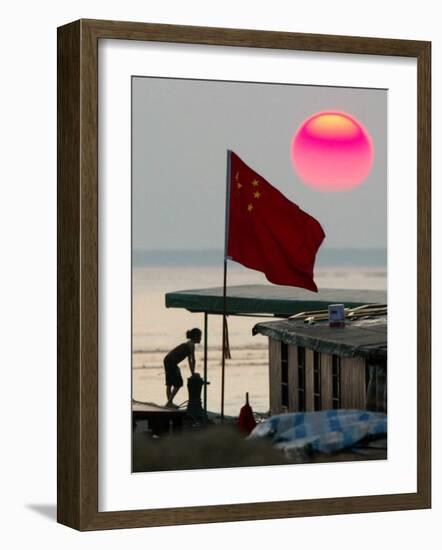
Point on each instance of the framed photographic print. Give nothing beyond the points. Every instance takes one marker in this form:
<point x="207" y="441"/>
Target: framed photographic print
<point x="243" y="274"/>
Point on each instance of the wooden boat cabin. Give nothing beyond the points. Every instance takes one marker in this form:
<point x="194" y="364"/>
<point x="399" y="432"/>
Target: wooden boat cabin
<point x="316" y="367"/>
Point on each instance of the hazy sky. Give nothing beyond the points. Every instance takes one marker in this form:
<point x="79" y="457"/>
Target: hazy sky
<point x="182" y="129"/>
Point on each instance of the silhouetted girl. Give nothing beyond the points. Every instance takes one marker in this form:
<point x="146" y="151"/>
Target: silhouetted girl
<point x="174" y="380"/>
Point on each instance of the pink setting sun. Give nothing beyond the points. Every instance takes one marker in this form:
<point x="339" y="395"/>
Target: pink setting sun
<point x="332" y="151"/>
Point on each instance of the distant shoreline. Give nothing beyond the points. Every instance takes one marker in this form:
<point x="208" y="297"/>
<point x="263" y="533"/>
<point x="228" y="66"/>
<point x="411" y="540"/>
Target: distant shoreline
<point x="327" y="257"/>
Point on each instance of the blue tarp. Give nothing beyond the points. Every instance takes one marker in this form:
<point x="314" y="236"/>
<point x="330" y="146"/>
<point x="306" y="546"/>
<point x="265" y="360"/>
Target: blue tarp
<point x="323" y="431"/>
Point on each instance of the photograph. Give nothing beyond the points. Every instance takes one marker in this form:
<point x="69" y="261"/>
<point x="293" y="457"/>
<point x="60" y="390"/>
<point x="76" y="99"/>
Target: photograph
<point x="259" y="274"/>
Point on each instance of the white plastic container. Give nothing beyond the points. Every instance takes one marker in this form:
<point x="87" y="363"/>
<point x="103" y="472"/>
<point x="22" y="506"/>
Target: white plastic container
<point x="336" y="315"/>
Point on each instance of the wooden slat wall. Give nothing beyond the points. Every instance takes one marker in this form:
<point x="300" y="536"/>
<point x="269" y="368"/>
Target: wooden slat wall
<point x="275" y="376"/>
<point x="353" y="394"/>
<point x="353" y="390"/>
<point x="293" y="378"/>
<point x="326" y="382"/>
<point x="309" y="381"/>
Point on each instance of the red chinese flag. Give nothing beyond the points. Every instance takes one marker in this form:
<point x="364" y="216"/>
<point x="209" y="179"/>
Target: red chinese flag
<point x="269" y="233"/>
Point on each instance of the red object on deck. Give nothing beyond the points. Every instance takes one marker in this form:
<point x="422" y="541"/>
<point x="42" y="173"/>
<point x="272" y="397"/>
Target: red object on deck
<point x="246" y="419"/>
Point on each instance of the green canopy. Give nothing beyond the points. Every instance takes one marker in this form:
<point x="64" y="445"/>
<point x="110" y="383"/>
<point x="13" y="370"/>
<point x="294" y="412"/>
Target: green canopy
<point x="280" y="301"/>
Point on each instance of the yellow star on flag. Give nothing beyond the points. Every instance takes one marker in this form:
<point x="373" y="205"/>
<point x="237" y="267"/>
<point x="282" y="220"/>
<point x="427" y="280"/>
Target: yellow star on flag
<point x="250" y="207"/>
<point x="257" y="195"/>
<point x="255" y="183"/>
<point x="239" y="185"/>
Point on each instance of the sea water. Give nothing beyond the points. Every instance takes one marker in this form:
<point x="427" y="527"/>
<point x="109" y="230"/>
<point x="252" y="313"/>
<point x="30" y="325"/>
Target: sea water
<point x="157" y="329"/>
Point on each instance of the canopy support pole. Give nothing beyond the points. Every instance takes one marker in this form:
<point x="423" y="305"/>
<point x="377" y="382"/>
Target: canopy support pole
<point x="205" y="358"/>
<point x="226" y="239"/>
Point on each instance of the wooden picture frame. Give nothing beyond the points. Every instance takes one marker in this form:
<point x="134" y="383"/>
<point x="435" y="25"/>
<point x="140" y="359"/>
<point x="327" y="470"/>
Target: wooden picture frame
<point x="78" y="274"/>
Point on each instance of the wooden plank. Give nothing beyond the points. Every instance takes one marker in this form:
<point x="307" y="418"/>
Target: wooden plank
<point x="326" y="382"/>
<point x="424" y="275"/>
<point x="138" y="406"/>
<point x="77" y="277"/>
<point x="293" y="378"/>
<point x="346" y="381"/>
<point x="353" y="393"/>
<point x="275" y="376"/>
<point x="360" y="387"/>
<point x="68" y="299"/>
<point x="131" y="30"/>
<point x="309" y="380"/>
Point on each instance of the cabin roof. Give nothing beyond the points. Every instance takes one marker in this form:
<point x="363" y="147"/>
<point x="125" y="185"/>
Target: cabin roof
<point x="358" y="338"/>
<point x="280" y="301"/>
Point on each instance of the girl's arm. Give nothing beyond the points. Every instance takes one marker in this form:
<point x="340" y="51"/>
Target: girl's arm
<point x="192" y="359"/>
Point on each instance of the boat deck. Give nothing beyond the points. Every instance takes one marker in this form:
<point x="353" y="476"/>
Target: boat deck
<point x="160" y="419"/>
<point x="152" y="408"/>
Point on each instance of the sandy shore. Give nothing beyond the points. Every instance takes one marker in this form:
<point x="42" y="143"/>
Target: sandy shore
<point x="223" y="446"/>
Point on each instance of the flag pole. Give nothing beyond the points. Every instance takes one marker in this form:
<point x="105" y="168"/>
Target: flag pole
<point x="223" y="358"/>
